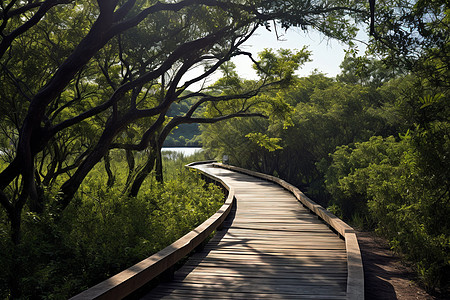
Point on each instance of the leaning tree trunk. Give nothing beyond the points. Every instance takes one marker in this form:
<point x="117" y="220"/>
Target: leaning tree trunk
<point x="131" y="166"/>
<point x="159" y="165"/>
<point x="71" y="186"/>
<point x="143" y="173"/>
<point x="36" y="203"/>
<point x="111" y="177"/>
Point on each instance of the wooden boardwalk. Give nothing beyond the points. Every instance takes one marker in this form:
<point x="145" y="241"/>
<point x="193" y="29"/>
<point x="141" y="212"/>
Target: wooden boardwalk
<point x="271" y="247"/>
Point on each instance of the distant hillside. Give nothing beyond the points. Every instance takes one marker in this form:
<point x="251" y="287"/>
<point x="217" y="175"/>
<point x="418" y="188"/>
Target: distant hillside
<point x="185" y="134"/>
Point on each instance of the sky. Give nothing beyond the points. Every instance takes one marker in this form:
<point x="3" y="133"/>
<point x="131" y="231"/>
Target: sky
<point x="327" y="54"/>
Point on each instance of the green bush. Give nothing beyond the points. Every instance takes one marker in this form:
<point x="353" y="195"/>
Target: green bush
<point x="103" y="232"/>
<point x="402" y="187"/>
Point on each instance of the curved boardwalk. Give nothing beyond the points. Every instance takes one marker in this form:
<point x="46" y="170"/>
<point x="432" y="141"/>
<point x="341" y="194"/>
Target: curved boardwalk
<point x="270" y="247"/>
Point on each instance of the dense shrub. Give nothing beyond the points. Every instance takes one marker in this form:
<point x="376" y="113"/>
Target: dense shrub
<point x="402" y="187"/>
<point x="103" y="232"/>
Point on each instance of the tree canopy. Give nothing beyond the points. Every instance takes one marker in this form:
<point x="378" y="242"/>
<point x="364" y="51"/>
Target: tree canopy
<point x="79" y="79"/>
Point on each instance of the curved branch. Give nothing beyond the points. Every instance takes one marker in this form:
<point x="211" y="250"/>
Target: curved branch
<point x="43" y="9"/>
<point x="231" y="53"/>
<point x="122" y="11"/>
<point x="179" y="53"/>
<point x="250" y="55"/>
<point x="146" y="137"/>
<point x="16" y="82"/>
<point x="20" y="10"/>
<point x="188" y="120"/>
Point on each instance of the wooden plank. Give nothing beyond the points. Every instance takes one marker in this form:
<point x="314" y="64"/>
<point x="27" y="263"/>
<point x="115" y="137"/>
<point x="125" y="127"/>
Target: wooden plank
<point x="184" y="294"/>
<point x="248" y="293"/>
<point x="205" y="279"/>
<point x="274" y="248"/>
<point x="256" y="262"/>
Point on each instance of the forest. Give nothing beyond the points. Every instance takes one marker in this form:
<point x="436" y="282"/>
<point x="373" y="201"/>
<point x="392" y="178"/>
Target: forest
<point x="90" y="91"/>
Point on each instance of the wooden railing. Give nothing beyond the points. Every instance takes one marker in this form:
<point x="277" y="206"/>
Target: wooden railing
<point x="355" y="272"/>
<point x="133" y="278"/>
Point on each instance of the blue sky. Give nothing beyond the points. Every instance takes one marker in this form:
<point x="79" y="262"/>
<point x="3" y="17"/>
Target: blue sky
<point x="327" y="54"/>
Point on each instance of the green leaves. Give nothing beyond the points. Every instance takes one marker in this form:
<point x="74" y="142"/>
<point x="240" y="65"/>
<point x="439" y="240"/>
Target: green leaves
<point x="271" y="144"/>
<point x="280" y="65"/>
<point x="414" y="35"/>
<point x="329" y="17"/>
<point x="392" y="183"/>
<point x="430" y="99"/>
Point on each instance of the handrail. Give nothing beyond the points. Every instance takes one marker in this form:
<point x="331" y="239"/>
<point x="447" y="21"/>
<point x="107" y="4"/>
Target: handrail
<point x="355" y="272"/>
<point x="131" y="279"/>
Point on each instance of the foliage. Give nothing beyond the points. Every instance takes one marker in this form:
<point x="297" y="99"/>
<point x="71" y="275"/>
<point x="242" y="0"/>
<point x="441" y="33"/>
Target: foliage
<point x="414" y="35"/>
<point x="391" y="183"/>
<point x="104" y="231"/>
<point x="409" y="197"/>
<point x="262" y="140"/>
<point x="349" y="175"/>
<point x="365" y="70"/>
<point x="319" y="115"/>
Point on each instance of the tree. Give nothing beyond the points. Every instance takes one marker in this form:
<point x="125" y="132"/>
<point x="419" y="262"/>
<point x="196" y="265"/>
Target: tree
<point x="320" y="115"/>
<point x="414" y="36"/>
<point x="401" y="184"/>
<point x="392" y="186"/>
<point x="365" y="70"/>
<point x="105" y="67"/>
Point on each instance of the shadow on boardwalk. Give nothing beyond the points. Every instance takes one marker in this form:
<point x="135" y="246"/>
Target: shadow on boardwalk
<point x="271" y="247"/>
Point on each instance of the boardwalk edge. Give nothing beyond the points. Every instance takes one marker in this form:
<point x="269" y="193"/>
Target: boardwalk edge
<point x="131" y="279"/>
<point x="355" y="271"/>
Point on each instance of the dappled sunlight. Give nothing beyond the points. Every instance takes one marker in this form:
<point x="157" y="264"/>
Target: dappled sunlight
<point x="271" y="247"/>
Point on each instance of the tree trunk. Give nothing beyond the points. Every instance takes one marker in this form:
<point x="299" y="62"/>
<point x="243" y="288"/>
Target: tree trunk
<point x="36" y="202"/>
<point x="70" y="187"/>
<point x="15" y="271"/>
<point x="111" y="177"/>
<point x="159" y="165"/>
<point x="140" y="177"/>
<point x="131" y="165"/>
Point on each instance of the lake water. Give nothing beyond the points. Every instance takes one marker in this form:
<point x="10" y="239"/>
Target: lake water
<point x="185" y="150"/>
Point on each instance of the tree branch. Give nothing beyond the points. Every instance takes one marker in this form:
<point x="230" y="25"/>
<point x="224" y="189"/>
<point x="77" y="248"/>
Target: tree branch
<point x="43" y="9"/>
<point x="188" y="120"/>
<point x="179" y="53"/>
<point x="231" y="53"/>
<point x="20" y="10"/>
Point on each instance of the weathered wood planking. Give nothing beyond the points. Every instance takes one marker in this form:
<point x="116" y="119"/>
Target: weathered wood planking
<point x="130" y="280"/>
<point x="272" y="248"/>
